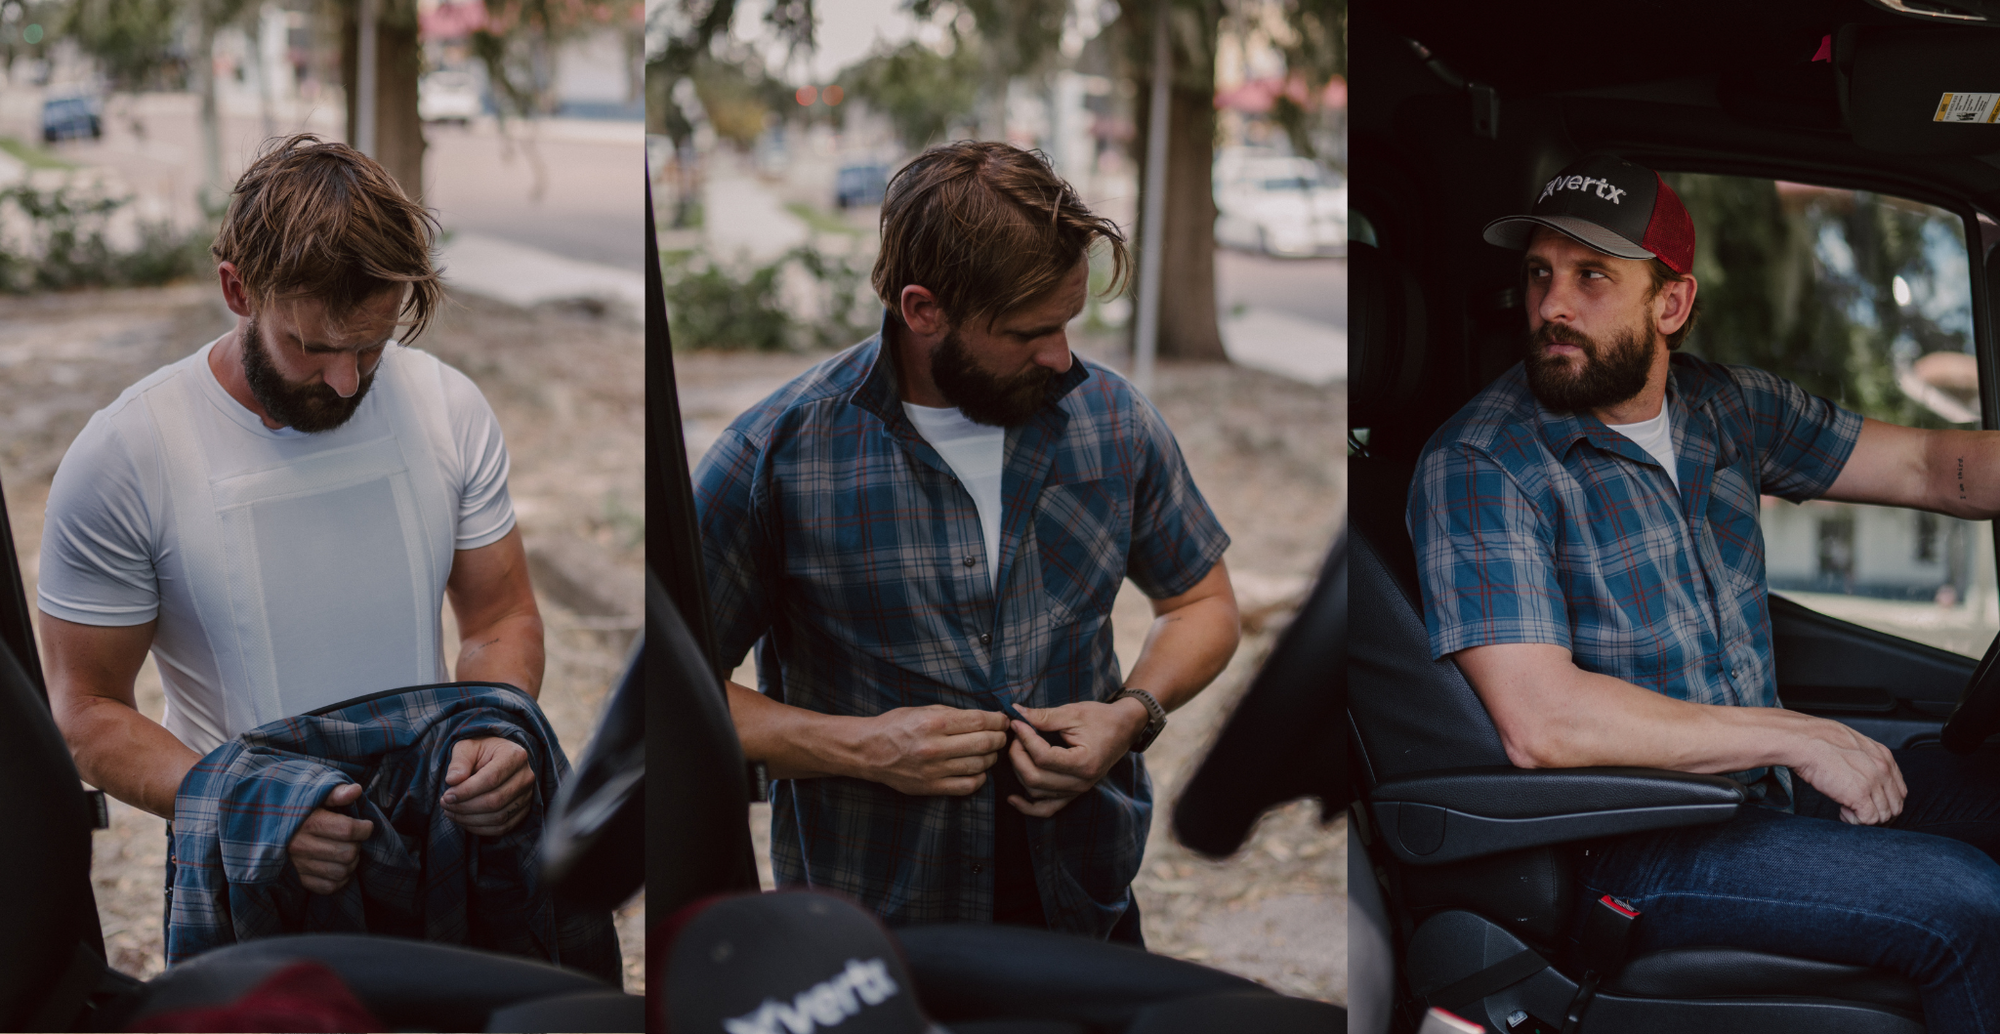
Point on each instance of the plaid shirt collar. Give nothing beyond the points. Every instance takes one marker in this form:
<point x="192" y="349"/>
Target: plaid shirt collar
<point x="1697" y="455"/>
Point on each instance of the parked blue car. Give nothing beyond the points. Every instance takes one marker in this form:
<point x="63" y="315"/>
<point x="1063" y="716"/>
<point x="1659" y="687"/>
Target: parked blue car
<point x="67" y="118"/>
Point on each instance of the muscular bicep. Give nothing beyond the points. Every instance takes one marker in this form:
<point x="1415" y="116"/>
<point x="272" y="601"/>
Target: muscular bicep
<point x="1889" y="466"/>
<point x="92" y="661"/>
<point x="1213" y="586"/>
<point x="1526" y="688"/>
<point x="489" y="584"/>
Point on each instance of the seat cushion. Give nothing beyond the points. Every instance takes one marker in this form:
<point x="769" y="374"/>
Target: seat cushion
<point x="1703" y="972"/>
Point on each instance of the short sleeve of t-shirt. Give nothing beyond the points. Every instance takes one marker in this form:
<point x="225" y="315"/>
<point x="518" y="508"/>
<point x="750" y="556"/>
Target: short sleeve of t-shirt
<point x="97" y="536"/>
<point x="1802" y="440"/>
<point x="485" y="509"/>
<point x="1176" y="538"/>
<point x="1485" y="555"/>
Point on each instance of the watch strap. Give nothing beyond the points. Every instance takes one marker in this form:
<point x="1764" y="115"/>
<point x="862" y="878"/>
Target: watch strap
<point x="1156" y="717"/>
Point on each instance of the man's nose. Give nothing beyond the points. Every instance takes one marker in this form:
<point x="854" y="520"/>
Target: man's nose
<point x="1558" y="302"/>
<point x="1055" y="354"/>
<point x="343" y="374"/>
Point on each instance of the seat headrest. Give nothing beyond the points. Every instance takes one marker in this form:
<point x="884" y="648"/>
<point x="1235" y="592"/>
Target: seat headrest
<point x="1387" y="335"/>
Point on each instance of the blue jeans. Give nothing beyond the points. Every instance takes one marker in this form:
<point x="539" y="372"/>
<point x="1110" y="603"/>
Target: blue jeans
<point x="1920" y="896"/>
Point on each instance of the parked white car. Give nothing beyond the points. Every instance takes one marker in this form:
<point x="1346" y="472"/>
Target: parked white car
<point x="1280" y="206"/>
<point x="449" y="95"/>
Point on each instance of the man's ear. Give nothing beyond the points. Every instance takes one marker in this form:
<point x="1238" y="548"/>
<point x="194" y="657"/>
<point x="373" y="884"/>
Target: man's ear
<point x="234" y="293"/>
<point x="1673" y="305"/>
<point x="922" y="313"/>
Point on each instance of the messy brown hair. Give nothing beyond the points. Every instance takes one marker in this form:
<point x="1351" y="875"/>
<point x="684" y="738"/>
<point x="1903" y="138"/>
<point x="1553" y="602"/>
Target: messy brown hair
<point x="321" y="220"/>
<point x="1662" y="275"/>
<point x="987" y="227"/>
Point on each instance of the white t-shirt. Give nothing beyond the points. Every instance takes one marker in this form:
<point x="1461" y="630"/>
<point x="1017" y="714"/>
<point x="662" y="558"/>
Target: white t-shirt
<point x="977" y="454"/>
<point x="288" y="571"/>
<point x="1657" y="437"/>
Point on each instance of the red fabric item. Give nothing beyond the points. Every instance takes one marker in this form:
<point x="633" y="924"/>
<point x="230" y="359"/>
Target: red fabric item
<point x="1670" y="233"/>
<point x="304" y="997"/>
<point x="1825" y="51"/>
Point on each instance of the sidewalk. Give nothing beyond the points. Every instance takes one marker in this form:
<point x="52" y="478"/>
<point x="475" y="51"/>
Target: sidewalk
<point x="1289" y="346"/>
<point x="526" y="277"/>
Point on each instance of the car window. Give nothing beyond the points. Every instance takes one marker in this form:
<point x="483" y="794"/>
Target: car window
<point x="1865" y="299"/>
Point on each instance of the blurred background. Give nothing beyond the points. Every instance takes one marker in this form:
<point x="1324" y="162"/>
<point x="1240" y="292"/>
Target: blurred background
<point x="123" y="124"/>
<point x="772" y="128"/>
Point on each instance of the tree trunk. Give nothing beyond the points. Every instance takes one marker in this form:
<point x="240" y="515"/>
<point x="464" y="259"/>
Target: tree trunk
<point x="214" y="192"/>
<point x="1188" y="327"/>
<point x="399" y="133"/>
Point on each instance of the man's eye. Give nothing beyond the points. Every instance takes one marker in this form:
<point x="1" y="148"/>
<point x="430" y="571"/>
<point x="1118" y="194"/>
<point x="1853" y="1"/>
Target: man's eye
<point x="1537" y="273"/>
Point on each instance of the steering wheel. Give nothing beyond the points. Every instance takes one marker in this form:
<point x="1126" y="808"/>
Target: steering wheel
<point x="1977" y="716"/>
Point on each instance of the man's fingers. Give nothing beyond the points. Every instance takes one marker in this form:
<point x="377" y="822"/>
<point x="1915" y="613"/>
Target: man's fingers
<point x="495" y="768"/>
<point x="1041" y="780"/>
<point x="1071" y="761"/>
<point x="985" y="741"/>
<point x="959" y="786"/>
<point x="510" y="795"/>
<point x="332" y="825"/>
<point x="954" y="721"/>
<point x="464" y="758"/>
<point x="343" y="795"/>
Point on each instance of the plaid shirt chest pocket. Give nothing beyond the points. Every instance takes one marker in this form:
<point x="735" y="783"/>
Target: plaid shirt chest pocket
<point x="1083" y="529"/>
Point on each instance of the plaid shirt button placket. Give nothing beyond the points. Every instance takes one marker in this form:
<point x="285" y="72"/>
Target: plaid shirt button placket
<point x="834" y="530"/>
<point x="1538" y="527"/>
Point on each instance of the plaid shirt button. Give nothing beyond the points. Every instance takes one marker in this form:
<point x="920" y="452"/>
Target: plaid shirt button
<point x="970" y="561"/>
<point x="986" y="639"/>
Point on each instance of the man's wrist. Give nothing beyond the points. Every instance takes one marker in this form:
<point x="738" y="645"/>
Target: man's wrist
<point x="1136" y="716"/>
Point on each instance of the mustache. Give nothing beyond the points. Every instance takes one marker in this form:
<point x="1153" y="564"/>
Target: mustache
<point x="1557" y="334"/>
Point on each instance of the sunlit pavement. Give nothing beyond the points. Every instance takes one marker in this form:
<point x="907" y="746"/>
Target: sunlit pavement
<point x="526" y="277"/>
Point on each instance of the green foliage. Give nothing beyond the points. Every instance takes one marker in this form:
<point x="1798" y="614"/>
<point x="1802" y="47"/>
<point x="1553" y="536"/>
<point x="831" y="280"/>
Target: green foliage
<point x="710" y="305"/>
<point x="922" y="92"/>
<point x="1803" y="284"/>
<point x="31" y="156"/>
<point x="66" y="248"/>
<point x="739" y="97"/>
<point x="137" y="42"/>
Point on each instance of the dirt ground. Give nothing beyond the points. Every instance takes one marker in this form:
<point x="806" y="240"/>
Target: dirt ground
<point x="1269" y="455"/>
<point x="568" y="390"/>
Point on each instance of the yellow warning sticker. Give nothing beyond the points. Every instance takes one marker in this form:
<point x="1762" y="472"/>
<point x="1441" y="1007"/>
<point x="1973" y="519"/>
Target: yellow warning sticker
<point x="1968" y="107"/>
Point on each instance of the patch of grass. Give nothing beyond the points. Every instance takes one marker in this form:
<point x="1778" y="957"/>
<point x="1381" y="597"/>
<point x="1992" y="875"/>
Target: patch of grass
<point x="33" y="157"/>
<point x="822" y="221"/>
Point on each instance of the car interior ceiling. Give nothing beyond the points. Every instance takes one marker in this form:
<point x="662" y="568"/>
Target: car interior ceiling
<point x="1469" y="108"/>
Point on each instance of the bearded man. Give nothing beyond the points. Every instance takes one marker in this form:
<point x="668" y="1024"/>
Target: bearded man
<point x="280" y="517"/>
<point x="926" y="532"/>
<point x="1590" y="553"/>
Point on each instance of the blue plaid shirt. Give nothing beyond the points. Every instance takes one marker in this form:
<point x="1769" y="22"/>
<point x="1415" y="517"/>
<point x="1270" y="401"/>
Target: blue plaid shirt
<point x="832" y="530"/>
<point x="1532" y="526"/>
<point x="420" y="875"/>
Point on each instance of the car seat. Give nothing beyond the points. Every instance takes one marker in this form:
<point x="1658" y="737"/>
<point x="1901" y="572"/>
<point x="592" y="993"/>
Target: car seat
<point x="1473" y="855"/>
<point x="53" y="976"/>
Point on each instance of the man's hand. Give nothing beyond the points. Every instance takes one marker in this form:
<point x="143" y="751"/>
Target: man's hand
<point x="1854" y="772"/>
<point x="488" y="786"/>
<point x="933" y="751"/>
<point x="1098" y="734"/>
<point x="328" y="844"/>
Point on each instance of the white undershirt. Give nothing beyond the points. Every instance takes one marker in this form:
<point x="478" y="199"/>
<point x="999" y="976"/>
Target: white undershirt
<point x="287" y="571"/>
<point x="1655" y="436"/>
<point x="977" y="454"/>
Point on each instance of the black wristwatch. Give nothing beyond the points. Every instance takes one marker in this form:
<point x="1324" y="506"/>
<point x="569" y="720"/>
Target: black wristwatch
<point x="1156" y="717"/>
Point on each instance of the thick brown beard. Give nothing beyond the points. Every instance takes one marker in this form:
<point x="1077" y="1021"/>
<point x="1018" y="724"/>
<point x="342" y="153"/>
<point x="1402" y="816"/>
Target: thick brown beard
<point x="982" y="397"/>
<point x="1610" y="374"/>
<point x="310" y="408"/>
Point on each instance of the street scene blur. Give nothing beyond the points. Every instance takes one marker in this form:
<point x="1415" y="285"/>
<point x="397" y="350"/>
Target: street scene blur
<point x="123" y="124"/>
<point x="772" y="130"/>
<point x="1886" y="278"/>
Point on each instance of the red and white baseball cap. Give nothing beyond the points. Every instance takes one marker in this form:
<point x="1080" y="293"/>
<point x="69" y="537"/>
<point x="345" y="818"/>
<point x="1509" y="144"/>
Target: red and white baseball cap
<point x="1603" y="201"/>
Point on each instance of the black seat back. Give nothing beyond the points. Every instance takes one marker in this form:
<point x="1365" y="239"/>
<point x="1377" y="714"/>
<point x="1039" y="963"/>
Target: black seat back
<point x="46" y="864"/>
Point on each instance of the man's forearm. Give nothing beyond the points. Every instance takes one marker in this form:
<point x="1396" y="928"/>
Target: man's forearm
<point x="508" y="650"/>
<point x="126" y="754"/>
<point x="792" y="742"/>
<point x="1560" y="716"/>
<point x="1186" y="649"/>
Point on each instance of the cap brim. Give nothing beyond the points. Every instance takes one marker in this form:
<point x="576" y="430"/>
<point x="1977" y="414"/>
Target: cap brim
<point x="1515" y="231"/>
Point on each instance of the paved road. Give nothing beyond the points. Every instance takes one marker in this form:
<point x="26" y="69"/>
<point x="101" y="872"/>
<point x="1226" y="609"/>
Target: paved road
<point x="1313" y="288"/>
<point x="591" y="173"/>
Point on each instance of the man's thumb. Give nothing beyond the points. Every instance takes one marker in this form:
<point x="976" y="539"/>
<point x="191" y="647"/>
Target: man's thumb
<point x="344" y="795"/>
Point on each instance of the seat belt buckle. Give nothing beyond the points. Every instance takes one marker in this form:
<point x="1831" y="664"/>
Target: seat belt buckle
<point x="1601" y="951"/>
<point x="1607" y="936"/>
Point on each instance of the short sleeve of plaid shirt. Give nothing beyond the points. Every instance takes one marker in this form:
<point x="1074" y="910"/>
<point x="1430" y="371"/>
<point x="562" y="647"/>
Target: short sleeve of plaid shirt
<point x="1486" y="553"/>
